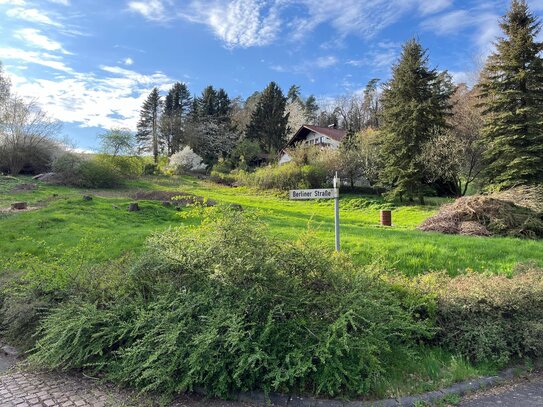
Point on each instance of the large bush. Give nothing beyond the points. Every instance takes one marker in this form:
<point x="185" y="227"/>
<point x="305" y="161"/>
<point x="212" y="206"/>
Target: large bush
<point x="225" y="307"/>
<point x="286" y="176"/>
<point x="186" y="160"/>
<point x="96" y="172"/>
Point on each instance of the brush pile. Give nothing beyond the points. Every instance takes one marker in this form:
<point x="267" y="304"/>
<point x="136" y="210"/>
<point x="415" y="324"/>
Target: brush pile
<point x="494" y="215"/>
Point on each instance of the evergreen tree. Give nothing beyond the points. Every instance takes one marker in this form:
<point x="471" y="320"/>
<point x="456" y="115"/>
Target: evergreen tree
<point x="208" y="103"/>
<point x="311" y="109"/>
<point x="147" y="135"/>
<point x="268" y="123"/>
<point x="223" y="107"/>
<point x="415" y="107"/>
<point x="293" y="94"/>
<point x="176" y="109"/>
<point x="511" y="89"/>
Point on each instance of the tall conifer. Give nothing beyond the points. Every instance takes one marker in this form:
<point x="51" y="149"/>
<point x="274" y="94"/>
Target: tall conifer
<point x="511" y="89"/>
<point x="415" y="107"/>
<point x="269" y="122"/>
<point x="147" y="135"/>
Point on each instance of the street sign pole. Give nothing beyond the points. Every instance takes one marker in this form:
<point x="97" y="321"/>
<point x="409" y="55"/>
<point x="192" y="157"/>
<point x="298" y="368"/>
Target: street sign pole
<point x="304" y="194"/>
<point x="336" y="210"/>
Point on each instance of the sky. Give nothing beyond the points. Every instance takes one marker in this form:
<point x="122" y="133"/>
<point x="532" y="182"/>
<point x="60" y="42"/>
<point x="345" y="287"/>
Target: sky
<point x="91" y="63"/>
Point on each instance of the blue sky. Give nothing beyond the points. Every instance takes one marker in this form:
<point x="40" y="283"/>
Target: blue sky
<point x="90" y="63"/>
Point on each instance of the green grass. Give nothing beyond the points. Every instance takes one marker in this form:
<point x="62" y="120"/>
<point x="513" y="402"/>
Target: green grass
<point x="63" y="218"/>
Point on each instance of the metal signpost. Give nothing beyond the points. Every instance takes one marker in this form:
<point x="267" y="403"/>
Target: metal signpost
<point x="299" y="194"/>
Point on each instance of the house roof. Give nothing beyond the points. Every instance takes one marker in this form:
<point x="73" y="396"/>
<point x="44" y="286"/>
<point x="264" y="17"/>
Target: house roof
<point x="335" y="134"/>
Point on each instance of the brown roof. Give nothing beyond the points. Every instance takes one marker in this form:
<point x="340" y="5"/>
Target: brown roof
<point x="335" y="134"/>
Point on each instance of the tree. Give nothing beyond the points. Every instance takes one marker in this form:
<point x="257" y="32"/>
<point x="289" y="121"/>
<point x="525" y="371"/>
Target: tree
<point x="5" y="87"/>
<point x="456" y="155"/>
<point x="147" y="136"/>
<point x="311" y="109"/>
<point x="176" y="110"/>
<point x="186" y="160"/>
<point x="511" y="90"/>
<point x="269" y="122"/>
<point x="117" y="141"/>
<point x="358" y="157"/>
<point x="416" y="105"/>
<point x="293" y="94"/>
<point x="371" y="105"/>
<point x="208" y="103"/>
<point x="27" y="136"/>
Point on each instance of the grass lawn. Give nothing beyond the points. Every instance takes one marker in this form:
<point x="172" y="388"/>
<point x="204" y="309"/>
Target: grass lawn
<point x="63" y="218"/>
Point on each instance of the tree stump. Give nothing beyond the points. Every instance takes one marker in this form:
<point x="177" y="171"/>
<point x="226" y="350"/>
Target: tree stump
<point x="134" y="207"/>
<point x="87" y="198"/>
<point x="19" y="206"/>
<point x="166" y="203"/>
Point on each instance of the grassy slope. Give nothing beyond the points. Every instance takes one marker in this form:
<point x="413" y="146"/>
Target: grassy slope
<point x="65" y="218"/>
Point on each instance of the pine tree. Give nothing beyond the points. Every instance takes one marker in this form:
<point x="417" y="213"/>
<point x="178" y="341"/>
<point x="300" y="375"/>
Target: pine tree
<point x="176" y="109"/>
<point x="415" y="107"/>
<point x="511" y="89"/>
<point x="208" y="105"/>
<point x="147" y="135"/>
<point x="268" y="123"/>
<point x="311" y="109"/>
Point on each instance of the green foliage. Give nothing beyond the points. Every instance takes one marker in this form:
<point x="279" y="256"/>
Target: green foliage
<point x="415" y="107"/>
<point x="96" y="172"/>
<point x="511" y="89"/>
<point x="147" y="136"/>
<point x="228" y="308"/>
<point x="126" y="166"/>
<point x="268" y="123"/>
<point x="285" y="177"/>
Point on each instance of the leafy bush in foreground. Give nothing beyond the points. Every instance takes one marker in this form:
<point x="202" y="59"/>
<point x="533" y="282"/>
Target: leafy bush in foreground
<point x="226" y="307"/>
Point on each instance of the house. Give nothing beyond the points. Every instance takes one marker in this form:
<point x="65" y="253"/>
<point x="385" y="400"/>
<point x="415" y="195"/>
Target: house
<point x="326" y="137"/>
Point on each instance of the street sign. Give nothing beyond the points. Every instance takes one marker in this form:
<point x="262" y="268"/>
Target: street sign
<point x="314" y="193"/>
<point x="332" y="193"/>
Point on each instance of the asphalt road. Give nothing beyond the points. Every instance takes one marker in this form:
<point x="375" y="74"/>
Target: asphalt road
<point x="521" y="393"/>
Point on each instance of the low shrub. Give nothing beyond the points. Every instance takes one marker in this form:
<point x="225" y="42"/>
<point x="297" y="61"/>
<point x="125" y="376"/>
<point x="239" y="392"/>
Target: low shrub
<point x="492" y="318"/>
<point x="225" y="307"/>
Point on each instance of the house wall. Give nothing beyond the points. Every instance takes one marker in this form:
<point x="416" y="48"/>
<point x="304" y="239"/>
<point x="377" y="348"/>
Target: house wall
<point x="314" y="138"/>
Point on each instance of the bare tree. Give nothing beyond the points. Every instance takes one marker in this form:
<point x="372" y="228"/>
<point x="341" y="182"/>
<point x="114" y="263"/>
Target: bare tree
<point x="456" y="155"/>
<point x="27" y="135"/>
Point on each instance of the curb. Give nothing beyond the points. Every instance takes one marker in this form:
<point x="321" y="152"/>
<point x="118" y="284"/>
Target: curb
<point x="460" y="389"/>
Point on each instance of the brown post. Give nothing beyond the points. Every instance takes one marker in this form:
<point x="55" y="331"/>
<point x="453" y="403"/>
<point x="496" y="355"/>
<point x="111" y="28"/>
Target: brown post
<point x="386" y="218"/>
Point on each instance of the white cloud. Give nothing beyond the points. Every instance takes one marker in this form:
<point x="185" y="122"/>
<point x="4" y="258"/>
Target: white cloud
<point x="151" y="9"/>
<point x="33" y="15"/>
<point x="61" y="2"/>
<point x="326" y="62"/>
<point x="128" y="61"/>
<point x="434" y="6"/>
<point x="35" y="38"/>
<point x="106" y="100"/>
<point x="482" y="19"/>
<point x="247" y="23"/>
<point x="381" y="56"/>
<point x="239" y="23"/>
<point x="13" y="2"/>
<point x="33" y="57"/>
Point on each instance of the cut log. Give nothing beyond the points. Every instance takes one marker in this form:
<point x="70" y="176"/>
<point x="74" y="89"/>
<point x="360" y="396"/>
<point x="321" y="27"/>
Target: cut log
<point x="87" y="198"/>
<point x="19" y="206"/>
<point x="134" y="207"/>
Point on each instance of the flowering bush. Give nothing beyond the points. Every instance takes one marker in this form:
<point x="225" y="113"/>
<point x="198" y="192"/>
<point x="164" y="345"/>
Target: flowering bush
<point x="186" y="160"/>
